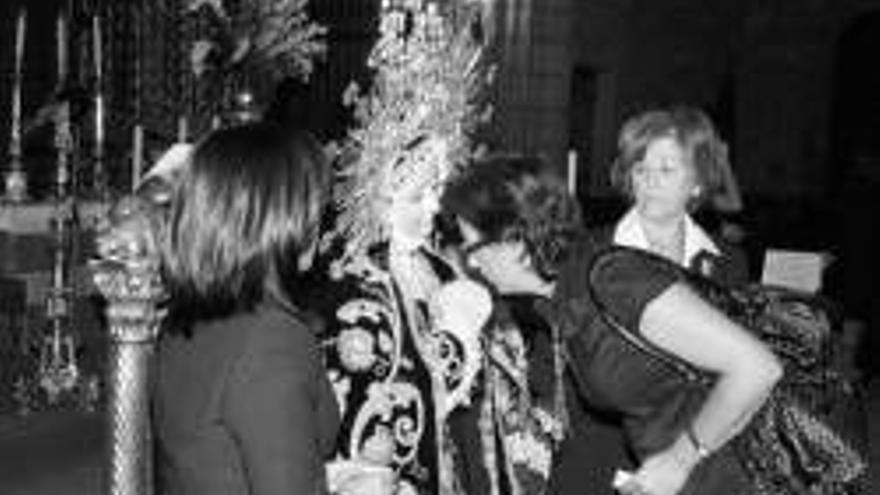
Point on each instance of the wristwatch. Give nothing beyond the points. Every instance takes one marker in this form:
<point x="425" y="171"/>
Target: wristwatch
<point x="702" y="451"/>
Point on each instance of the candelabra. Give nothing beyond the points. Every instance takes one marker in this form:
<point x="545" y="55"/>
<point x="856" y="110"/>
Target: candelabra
<point x="127" y="274"/>
<point x="59" y="373"/>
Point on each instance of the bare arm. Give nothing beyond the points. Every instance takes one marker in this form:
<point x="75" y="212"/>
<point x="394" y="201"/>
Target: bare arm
<point x="680" y="322"/>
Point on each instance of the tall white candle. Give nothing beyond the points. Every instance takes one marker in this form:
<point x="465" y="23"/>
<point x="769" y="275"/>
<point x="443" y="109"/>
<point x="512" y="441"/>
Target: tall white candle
<point x="182" y="129"/>
<point x="572" y="172"/>
<point x="96" y="47"/>
<point x="20" y="29"/>
<point x="99" y="125"/>
<point x="137" y="156"/>
<point x="61" y="47"/>
<point x="99" y="98"/>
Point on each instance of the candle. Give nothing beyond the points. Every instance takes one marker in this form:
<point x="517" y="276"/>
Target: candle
<point x="96" y="48"/>
<point x="20" y="28"/>
<point x="572" y="172"/>
<point x="63" y="147"/>
<point x="137" y="156"/>
<point x="15" y="144"/>
<point x="182" y="129"/>
<point x="61" y="46"/>
<point x="99" y="126"/>
<point x="99" y="99"/>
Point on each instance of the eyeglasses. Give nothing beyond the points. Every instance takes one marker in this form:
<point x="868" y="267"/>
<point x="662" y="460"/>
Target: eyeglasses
<point x="467" y="251"/>
<point x="503" y="250"/>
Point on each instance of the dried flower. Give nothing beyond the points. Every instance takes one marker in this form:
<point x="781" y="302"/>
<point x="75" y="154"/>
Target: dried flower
<point x="274" y="36"/>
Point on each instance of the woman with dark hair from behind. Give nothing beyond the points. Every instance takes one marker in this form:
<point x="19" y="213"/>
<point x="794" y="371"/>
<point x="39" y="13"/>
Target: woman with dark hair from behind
<point x="242" y="403"/>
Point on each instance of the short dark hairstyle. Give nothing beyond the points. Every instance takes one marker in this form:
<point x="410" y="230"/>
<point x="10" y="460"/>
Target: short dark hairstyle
<point x="690" y="127"/>
<point x="514" y="197"/>
<point x="243" y="212"/>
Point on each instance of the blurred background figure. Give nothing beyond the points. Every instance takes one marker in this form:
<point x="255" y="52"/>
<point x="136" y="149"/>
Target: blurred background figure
<point x="671" y="163"/>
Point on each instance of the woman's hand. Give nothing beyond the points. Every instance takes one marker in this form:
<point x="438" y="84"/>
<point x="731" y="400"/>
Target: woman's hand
<point x="664" y="473"/>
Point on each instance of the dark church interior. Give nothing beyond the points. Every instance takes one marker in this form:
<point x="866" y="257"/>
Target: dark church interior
<point x="792" y="86"/>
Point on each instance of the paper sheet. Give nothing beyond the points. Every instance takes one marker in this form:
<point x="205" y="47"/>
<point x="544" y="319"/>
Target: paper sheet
<point x="798" y="270"/>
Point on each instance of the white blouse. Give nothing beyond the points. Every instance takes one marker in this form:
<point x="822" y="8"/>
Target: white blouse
<point x="629" y="232"/>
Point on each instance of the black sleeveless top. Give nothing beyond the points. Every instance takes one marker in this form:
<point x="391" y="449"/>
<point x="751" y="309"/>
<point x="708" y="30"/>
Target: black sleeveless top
<point x="655" y="395"/>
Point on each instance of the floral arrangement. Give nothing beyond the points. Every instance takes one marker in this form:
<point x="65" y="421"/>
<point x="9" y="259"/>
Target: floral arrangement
<point x="244" y="37"/>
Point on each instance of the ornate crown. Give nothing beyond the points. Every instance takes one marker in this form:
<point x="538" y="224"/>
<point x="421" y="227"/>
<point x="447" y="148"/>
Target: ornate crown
<point x="415" y="121"/>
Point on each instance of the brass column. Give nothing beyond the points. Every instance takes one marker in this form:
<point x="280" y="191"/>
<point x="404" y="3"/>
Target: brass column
<point x="127" y="275"/>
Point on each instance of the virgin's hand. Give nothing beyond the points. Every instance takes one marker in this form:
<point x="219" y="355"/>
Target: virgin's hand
<point x="359" y="478"/>
<point x="461" y="307"/>
<point x="459" y="311"/>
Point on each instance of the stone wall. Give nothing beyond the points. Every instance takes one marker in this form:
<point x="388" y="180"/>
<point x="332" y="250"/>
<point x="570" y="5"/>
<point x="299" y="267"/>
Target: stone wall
<point x="764" y="70"/>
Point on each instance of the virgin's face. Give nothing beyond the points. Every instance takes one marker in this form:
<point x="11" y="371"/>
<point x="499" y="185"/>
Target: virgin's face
<point x="664" y="181"/>
<point x="505" y="265"/>
<point x="412" y="215"/>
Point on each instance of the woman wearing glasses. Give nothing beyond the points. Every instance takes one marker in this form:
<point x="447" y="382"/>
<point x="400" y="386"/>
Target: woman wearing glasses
<point x="521" y="234"/>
